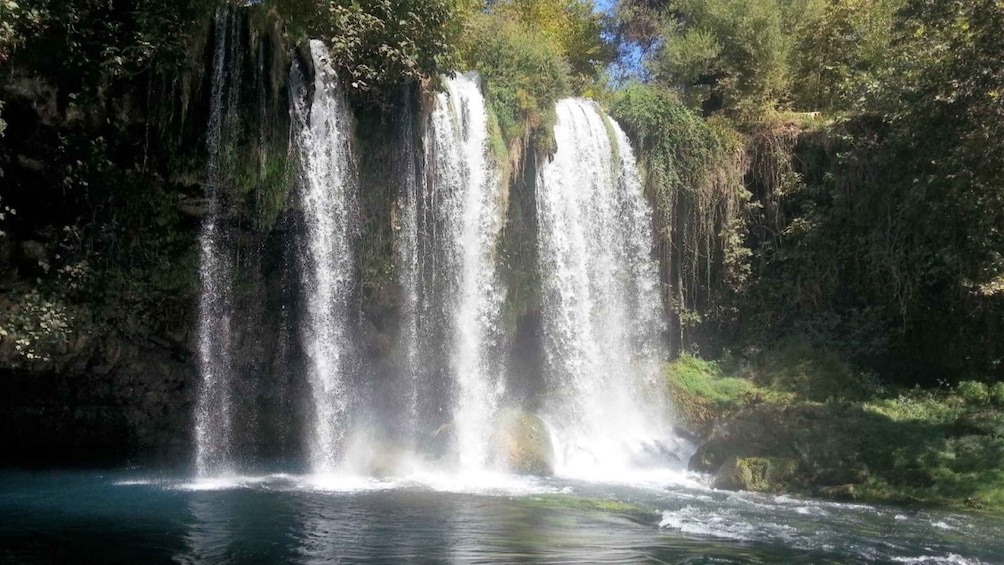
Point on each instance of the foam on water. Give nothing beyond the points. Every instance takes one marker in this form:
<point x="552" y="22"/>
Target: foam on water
<point x="951" y="559"/>
<point x="728" y="524"/>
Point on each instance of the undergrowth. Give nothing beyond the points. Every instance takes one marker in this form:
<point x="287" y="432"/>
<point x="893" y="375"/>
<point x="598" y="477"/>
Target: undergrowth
<point x="844" y="437"/>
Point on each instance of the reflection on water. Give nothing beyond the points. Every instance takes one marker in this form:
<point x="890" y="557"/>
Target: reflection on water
<point x="92" y="518"/>
<point x="210" y="532"/>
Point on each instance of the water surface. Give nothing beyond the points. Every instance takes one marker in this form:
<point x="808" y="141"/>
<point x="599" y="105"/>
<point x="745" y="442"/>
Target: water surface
<point x="141" y="517"/>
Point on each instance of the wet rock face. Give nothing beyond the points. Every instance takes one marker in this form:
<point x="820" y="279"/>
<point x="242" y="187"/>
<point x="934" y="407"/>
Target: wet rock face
<point x="117" y="402"/>
<point x="523" y="444"/>
<point x="758" y="474"/>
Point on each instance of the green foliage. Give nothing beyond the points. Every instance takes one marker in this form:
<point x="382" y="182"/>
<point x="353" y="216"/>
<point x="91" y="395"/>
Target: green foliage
<point x="91" y="39"/>
<point x="529" y="55"/>
<point x="36" y="324"/>
<point x="524" y="75"/>
<point x="693" y="176"/>
<point x="570" y="27"/>
<point x="705" y="379"/>
<point x="640" y="21"/>
<point x="110" y="224"/>
<point x="918" y="405"/>
<point x="383" y="42"/>
<point x="974" y="392"/>
<point x="379" y="44"/>
<point x="723" y="54"/>
<point x="841" y="53"/>
<point x="16" y="17"/>
<point x="812" y="374"/>
<point x="997" y="394"/>
<point x="879" y="235"/>
<point x="913" y="445"/>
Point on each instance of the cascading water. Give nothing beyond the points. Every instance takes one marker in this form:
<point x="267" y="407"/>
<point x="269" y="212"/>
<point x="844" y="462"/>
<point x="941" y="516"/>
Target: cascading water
<point x="327" y="194"/>
<point x="467" y="195"/>
<point x="603" y="317"/>
<point x="406" y="255"/>
<point x="214" y="408"/>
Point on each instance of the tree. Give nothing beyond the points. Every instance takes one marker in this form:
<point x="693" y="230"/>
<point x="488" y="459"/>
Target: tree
<point x="379" y="44"/>
<point x="842" y="52"/>
<point x="572" y="27"/>
<point x="722" y="54"/>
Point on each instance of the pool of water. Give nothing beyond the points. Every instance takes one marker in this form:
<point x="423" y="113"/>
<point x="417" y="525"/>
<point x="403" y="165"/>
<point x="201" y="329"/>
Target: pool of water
<point x="136" y="516"/>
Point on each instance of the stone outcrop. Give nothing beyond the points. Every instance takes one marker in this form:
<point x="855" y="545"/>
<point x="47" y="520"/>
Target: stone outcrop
<point x="522" y="444"/>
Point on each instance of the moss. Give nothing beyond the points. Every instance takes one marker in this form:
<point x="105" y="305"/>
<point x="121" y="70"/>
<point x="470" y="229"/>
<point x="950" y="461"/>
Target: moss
<point x="523" y="443"/>
<point x="703" y="395"/>
<point x="758" y="474"/>
<point x="612" y="506"/>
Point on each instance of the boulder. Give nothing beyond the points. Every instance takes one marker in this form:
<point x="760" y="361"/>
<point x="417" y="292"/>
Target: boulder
<point x="758" y="474"/>
<point x="522" y="444"/>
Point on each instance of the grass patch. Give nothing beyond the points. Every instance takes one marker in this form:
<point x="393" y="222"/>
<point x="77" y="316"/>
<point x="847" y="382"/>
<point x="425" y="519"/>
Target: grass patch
<point x="704" y="395"/>
<point x="704" y="379"/>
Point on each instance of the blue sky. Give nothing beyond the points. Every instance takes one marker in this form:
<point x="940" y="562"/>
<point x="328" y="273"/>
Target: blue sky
<point x="605" y="5"/>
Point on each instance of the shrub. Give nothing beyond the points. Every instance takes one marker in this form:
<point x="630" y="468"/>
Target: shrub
<point x="524" y="74"/>
<point x="997" y="394"/>
<point x="814" y="374"/>
<point x="973" y="392"/>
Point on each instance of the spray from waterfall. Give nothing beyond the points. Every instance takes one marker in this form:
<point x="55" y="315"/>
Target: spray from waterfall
<point x="327" y="195"/>
<point x="214" y="433"/>
<point x="603" y="316"/>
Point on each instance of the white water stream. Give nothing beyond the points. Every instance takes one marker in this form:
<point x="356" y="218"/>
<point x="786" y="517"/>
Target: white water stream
<point x="214" y="405"/>
<point x="468" y="193"/>
<point x="603" y="316"/>
<point x="328" y="198"/>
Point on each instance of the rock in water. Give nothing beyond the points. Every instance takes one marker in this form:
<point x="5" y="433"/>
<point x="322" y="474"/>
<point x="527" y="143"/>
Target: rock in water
<point x="759" y="474"/>
<point x="522" y="444"/>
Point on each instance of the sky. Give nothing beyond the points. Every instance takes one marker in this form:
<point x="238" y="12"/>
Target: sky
<point x="605" y="5"/>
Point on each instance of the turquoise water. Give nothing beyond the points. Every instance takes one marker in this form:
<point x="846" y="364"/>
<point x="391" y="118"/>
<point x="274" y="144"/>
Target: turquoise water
<point x="137" y="516"/>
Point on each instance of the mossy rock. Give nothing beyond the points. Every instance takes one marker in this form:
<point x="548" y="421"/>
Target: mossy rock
<point x="759" y="474"/>
<point x="522" y="444"/>
<point x="710" y="456"/>
<point x="844" y="493"/>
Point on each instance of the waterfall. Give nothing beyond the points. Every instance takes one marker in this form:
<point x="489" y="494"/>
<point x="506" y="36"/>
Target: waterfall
<point x="465" y="196"/>
<point x="327" y="195"/>
<point x="214" y="433"/>
<point x="603" y="316"/>
<point x="406" y="256"/>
